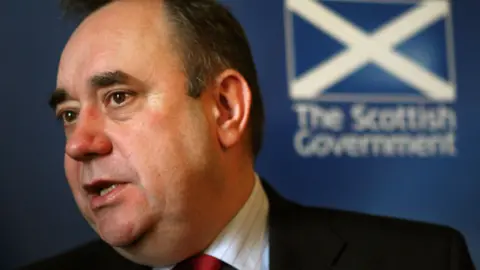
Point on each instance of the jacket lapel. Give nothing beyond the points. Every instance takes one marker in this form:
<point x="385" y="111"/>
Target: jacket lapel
<point x="300" y="237"/>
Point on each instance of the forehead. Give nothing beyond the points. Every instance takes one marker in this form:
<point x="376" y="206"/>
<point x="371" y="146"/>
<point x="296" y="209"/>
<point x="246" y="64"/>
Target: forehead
<point x="132" y="36"/>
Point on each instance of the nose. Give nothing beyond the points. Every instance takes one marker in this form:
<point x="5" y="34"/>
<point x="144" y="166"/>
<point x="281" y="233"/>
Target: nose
<point x="88" y="140"/>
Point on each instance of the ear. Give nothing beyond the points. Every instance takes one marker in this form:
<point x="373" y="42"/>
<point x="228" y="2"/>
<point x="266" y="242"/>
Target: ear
<point x="232" y="104"/>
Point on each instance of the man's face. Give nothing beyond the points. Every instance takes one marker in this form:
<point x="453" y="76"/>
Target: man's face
<point x="140" y="154"/>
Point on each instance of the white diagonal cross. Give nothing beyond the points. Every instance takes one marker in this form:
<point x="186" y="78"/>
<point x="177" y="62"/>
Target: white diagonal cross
<point x="376" y="48"/>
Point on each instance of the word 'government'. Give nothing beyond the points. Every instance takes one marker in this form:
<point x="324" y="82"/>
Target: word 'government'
<point x="361" y="130"/>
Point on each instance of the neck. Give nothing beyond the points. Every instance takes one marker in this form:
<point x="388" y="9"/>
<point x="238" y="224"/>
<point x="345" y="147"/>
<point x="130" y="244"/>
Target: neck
<point x="239" y="183"/>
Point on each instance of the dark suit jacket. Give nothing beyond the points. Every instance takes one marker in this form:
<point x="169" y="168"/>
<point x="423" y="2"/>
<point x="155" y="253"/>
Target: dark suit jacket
<point x="307" y="238"/>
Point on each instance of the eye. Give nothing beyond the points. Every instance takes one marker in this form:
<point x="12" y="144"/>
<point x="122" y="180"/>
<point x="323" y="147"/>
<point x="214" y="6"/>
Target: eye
<point x="118" y="98"/>
<point x="68" y="117"/>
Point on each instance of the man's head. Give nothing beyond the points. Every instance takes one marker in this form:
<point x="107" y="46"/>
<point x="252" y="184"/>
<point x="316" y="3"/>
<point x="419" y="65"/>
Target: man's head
<point x="163" y="119"/>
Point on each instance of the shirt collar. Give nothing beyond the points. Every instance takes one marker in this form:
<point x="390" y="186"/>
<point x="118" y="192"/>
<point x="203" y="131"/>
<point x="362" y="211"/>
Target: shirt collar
<point x="243" y="241"/>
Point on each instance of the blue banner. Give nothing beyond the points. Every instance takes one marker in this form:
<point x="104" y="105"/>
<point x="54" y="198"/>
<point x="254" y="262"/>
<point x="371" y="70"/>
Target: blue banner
<point x="371" y="106"/>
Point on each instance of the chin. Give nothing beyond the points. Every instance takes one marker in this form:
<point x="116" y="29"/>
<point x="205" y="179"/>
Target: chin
<point x="118" y="237"/>
<point x="138" y="252"/>
<point x="148" y="250"/>
<point x="122" y="234"/>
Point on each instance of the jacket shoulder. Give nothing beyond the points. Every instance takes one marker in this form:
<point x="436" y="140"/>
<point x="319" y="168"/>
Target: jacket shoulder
<point x="92" y="254"/>
<point x="364" y="241"/>
<point x="353" y="224"/>
<point x="396" y="240"/>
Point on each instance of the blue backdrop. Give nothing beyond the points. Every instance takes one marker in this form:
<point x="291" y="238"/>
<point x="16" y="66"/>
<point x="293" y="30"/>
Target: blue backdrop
<point x="370" y="107"/>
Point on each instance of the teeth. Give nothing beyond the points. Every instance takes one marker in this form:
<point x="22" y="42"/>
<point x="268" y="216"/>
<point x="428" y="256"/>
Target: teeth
<point x="107" y="190"/>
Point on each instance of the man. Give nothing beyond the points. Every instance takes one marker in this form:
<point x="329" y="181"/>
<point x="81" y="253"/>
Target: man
<point x="163" y="118"/>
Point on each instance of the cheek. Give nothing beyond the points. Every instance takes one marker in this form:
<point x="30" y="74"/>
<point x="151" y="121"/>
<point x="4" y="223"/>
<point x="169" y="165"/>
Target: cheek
<point x="156" y="157"/>
<point x="166" y="151"/>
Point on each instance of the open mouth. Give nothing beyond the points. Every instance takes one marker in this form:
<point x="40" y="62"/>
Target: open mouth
<point x="105" y="191"/>
<point x="102" y="188"/>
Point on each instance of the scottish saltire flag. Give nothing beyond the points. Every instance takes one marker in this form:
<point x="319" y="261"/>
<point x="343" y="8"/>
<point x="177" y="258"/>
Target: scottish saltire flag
<point x="370" y="51"/>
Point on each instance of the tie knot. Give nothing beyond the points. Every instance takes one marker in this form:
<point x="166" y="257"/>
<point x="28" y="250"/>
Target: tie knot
<point x="199" y="262"/>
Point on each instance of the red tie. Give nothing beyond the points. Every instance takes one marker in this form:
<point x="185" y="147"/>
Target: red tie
<point x="200" y="262"/>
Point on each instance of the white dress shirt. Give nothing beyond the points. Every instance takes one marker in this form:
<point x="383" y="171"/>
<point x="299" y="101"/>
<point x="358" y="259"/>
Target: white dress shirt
<point x="243" y="243"/>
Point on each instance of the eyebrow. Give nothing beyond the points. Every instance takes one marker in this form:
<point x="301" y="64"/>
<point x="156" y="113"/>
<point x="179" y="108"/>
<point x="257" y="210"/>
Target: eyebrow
<point x="101" y="80"/>
<point x="108" y="78"/>
<point x="58" y="96"/>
